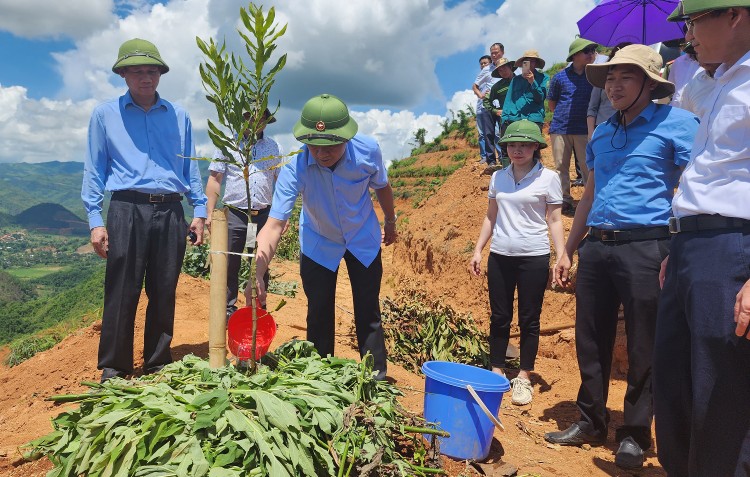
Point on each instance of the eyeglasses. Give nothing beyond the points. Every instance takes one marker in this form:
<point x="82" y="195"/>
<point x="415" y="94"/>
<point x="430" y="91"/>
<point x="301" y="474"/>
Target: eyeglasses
<point x="690" y="22"/>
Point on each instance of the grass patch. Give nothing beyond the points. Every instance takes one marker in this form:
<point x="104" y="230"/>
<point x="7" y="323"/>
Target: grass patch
<point x="435" y="171"/>
<point x="32" y="273"/>
<point x="26" y="347"/>
<point x="459" y="157"/>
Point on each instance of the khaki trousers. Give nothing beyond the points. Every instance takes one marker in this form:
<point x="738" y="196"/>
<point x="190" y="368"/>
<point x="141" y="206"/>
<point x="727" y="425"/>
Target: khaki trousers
<point x="562" y="148"/>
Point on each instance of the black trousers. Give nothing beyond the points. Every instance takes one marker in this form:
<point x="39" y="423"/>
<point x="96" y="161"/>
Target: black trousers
<point x="145" y="241"/>
<point x="504" y="274"/>
<point x="319" y="284"/>
<point x="237" y="224"/>
<point x="611" y="273"/>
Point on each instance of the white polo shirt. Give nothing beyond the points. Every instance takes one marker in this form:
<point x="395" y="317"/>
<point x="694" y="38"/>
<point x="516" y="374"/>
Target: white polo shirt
<point x="696" y="94"/>
<point x="717" y="179"/>
<point x="521" y="226"/>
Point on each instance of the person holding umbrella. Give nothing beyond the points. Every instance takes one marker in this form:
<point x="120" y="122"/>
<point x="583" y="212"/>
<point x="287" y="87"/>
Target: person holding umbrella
<point x="702" y="350"/>
<point x="621" y="235"/>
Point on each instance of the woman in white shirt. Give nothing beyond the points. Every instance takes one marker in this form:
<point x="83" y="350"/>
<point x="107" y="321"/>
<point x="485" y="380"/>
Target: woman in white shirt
<point x="525" y="202"/>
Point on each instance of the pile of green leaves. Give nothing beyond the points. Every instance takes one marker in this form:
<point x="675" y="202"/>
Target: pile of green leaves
<point x="300" y="414"/>
<point x="419" y="330"/>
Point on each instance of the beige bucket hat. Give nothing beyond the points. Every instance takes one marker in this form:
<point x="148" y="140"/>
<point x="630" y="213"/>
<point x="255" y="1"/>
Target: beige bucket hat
<point x="641" y="56"/>
<point x="501" y="62"/>
<point x="531" y="54"/>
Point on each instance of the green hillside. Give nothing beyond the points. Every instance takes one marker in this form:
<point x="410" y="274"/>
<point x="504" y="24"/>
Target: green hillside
<point x="52" y="218"/>
<point x="24" y="185"/>
<point x="13" y="289"/>
<point x="25" y="317"/>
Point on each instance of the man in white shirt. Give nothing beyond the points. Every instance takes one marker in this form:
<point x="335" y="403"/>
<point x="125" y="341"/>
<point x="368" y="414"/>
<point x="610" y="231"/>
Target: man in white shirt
<point x="481" y="87"/>
<point x="702" y="352"/>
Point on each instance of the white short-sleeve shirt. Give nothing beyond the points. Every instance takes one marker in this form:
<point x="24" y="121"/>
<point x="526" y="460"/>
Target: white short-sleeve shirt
<point x="521" y="226"/>
<point x="717" y="179"/>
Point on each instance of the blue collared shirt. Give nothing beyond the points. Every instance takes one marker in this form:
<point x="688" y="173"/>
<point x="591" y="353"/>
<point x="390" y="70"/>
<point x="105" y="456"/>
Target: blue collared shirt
<point x="635" y="184"/>
<point x="337" y="211"/>
<point x="572" y="93"/>
<point x="145" y="151"/>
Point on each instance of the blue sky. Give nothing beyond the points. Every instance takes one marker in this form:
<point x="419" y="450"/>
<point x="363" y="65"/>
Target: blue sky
<point x="399" y="64"/>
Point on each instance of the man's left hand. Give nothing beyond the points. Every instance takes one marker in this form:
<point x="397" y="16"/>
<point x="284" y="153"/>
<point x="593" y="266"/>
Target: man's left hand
<point x="389" y="233"/>
<point x="742" y="311"/>
<point x="196" y="226"/>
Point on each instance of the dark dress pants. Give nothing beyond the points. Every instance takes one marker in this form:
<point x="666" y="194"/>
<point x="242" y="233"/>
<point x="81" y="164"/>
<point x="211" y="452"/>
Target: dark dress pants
<point x="145" y="240"/>
<point x="701" y="369"/>
<point x="237" y="225"/>
<point x="504" y="274"/>
<point x="611" y="273"/>
<point x="319" y="284"/>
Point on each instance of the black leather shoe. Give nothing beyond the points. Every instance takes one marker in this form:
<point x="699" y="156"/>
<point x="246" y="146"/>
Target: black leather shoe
<point x="573" y="436"/>
<point x="629" y="455"/>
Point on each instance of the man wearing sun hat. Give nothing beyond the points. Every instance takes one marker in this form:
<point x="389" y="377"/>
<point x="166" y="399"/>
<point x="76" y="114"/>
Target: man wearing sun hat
<point x="568" y="100"/>
<point x="621" y="233"/>
<point x="334" y="174"/>
<point x="139" y="149"/>
<point x="702" y="355"/>
<point x="493" y="102"/>
<point x="527" y="92"/>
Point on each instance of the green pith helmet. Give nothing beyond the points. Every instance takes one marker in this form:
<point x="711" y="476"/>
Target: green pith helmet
<point x="689" y="7"/>
<point x="137" y="52"/>
<point x="524" y="131"/>
<point x="579" y="44"/>
<point x="325" y="121"/>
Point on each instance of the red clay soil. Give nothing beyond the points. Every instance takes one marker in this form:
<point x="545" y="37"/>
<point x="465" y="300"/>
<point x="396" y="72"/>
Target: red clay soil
<point x="431" y="256"/>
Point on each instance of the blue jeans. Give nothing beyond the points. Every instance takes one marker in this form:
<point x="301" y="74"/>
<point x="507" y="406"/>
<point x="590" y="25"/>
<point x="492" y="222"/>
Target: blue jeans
<point x="701" y="369"/>
<point x="486" y="126"/>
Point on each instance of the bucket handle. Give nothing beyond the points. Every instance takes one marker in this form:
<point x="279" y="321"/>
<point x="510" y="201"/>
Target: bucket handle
<point x="495" y="420"/>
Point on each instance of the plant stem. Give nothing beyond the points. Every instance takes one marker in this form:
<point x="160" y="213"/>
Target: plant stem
<point x="427" y="430"/>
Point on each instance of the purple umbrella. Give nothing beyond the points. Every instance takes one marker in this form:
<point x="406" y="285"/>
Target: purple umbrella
<point x="638" y="21"/>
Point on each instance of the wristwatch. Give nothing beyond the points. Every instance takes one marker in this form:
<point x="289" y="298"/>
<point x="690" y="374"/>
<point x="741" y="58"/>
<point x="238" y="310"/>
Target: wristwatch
<point x="393" y="221"/>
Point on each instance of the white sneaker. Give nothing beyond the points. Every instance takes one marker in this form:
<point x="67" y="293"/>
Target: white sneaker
<point x="522" y="391"/>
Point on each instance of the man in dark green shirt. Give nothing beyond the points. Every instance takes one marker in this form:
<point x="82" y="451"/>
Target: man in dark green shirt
<point x="493" y="102"/>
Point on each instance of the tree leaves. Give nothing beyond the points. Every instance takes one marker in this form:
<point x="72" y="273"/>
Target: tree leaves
<point x="298" y="415"/>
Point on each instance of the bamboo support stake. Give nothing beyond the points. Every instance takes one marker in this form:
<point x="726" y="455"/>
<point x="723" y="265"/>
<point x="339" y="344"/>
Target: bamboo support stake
<point x="217" y="314"/>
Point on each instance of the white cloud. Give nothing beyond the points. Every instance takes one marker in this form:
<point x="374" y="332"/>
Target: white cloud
<point x="41" y="130"/>
<point x="50" y="18"/>
<point x="378" y="56"/>
<point x="549" y="26"/>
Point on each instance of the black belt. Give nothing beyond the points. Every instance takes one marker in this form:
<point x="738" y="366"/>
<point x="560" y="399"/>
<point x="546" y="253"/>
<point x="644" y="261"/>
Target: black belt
<point x="694" y="223"/>
<point x="144" y="198"/>
<point x="640" y="233"/>
<point x="253" y="212"/>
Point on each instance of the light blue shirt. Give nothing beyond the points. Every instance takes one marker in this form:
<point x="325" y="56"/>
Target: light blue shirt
<point x="635" y="184"/>
<point x="337" y="211"/>
<point x="144" y="151"/>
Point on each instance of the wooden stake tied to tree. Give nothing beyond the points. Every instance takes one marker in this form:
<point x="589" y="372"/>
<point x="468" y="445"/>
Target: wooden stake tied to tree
<point x="236" y="88"/>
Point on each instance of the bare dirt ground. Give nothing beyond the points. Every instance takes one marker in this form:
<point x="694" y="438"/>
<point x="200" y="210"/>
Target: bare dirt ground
<point x="431" y="256"/>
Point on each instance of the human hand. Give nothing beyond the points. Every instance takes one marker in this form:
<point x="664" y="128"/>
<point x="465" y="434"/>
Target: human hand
<point x="208" y="223"/>
<point x="196" y="226"/>
<point x="742" y="311"/>
<point x="389" y="233"/>
<point x="100" y="241"/>
<point x="529" y="76"/>
<point x="261" y="287"/>
<point x="663" y="271"/>
<point x="562" y="268"/>
<point x="475" y="264"/>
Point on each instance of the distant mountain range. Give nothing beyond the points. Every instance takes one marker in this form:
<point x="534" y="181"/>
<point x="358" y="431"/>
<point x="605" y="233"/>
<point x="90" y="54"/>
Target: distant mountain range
<point x="24" y="186"/>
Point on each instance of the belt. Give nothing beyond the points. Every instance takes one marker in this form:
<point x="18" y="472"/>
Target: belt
<point x="144" y="198"/>
<point x="640" y="233"/>
<point x="694" y="223"/>
<point x="253" y="212"/>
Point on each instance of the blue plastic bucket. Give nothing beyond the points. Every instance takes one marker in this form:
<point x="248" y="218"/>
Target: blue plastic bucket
<point x="448" y="402"/>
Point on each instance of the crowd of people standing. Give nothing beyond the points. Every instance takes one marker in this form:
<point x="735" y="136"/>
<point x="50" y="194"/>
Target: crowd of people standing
<point x="661" y="231"/>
